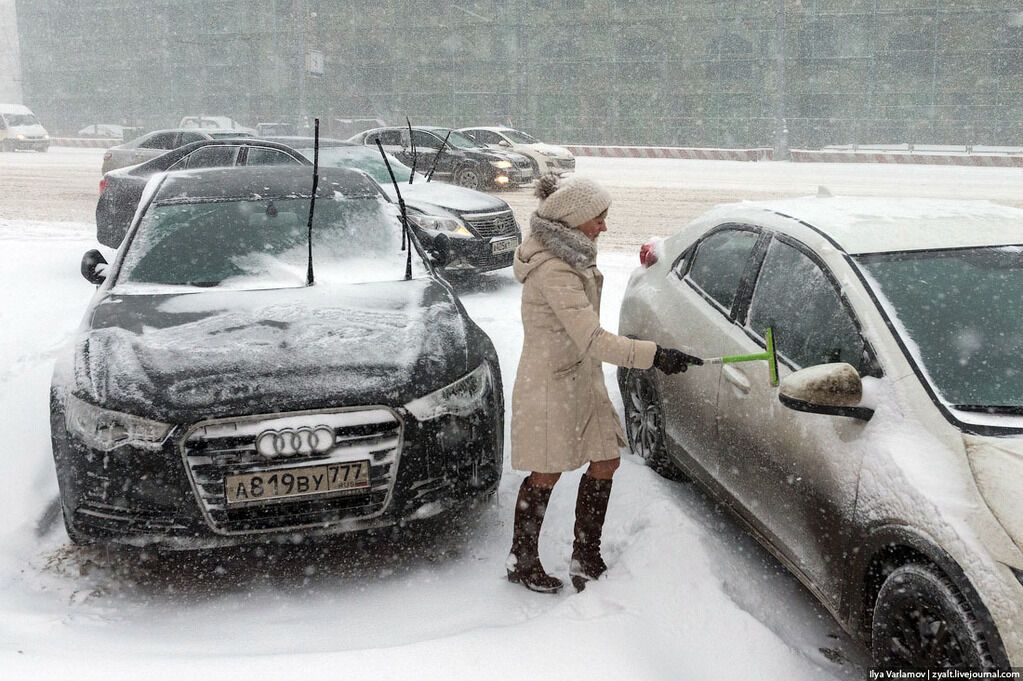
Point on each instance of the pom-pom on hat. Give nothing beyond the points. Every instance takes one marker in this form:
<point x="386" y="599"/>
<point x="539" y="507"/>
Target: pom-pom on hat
<point x="572" y="201"/>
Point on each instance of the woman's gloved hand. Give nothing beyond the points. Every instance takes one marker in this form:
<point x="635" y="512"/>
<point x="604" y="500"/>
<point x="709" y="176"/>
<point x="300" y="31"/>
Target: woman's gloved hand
<point x="672" y="361"/>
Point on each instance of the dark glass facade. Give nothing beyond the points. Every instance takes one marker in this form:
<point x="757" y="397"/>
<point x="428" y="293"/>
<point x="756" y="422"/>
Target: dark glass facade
<point x="696" y="73"/>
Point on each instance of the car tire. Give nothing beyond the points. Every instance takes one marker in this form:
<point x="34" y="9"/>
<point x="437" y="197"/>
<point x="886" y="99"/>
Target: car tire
<point x="922" y="621"/>
<point x="644" y="423"/>
<point x="469" y="177"/>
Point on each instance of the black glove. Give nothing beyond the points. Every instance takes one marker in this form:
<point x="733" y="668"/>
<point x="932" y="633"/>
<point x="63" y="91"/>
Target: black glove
<point x="672" y="361"/>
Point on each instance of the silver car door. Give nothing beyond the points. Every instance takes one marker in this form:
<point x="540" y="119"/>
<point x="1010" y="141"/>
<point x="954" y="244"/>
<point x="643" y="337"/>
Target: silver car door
<point x="794" y="474"/>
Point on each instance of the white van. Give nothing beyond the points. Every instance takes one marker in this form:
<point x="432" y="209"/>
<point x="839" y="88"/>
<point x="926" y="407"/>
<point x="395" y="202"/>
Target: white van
<point x="20" y="129"/>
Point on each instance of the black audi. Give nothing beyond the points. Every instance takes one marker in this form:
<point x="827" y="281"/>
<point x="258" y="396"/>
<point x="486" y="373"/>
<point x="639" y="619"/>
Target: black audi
<point x="226" y="387"/>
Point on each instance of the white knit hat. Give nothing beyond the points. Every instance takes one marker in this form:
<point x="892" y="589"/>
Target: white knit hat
<point x="572" y="201"/>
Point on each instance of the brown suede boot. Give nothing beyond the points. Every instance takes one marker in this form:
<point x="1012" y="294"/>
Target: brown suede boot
<point x="590" y="511"/>
<point x="523" y="562"/>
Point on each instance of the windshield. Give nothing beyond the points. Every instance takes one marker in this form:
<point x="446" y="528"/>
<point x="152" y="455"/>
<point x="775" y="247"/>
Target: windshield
<point x="960" y="308"/>
<point x="21" y="119"/>
<point x="361" y="158"/>
<point x="519" y="137"/>
<point x="253" y="244"/>
<point x="457" y="139"/>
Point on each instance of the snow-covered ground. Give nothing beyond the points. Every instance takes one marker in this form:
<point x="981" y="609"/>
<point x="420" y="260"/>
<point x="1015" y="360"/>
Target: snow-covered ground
<point x="688" y="595"/>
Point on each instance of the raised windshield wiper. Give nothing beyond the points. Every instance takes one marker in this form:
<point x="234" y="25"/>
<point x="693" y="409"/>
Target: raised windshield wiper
<point x="1008" y="409"/>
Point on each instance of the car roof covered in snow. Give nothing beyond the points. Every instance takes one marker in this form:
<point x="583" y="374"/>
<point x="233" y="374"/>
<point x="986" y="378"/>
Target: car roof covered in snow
<point x="263" y="182"/>
<point x="877" y="225"/>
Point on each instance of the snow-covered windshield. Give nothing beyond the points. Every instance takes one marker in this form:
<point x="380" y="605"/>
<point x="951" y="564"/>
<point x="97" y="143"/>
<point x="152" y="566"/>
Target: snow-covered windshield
<point x="361" y="158"/>
<point x="457" y="139"/>
<point x="252" y="244"/>
<point x="21" y="119"/>
<point x="519" y="137"/>
<point x="960" y="307"/>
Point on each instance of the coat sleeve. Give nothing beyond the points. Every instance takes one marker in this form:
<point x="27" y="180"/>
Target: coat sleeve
<point x="564" y="292"/>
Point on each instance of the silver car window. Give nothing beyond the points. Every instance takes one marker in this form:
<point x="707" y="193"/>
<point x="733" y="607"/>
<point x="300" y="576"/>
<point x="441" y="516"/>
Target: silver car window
<point x="798" y="300"/>
<point x="719" y="263"/>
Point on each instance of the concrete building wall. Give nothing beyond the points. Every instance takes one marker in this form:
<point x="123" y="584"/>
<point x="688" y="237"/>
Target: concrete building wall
<point x="10" y="63"/>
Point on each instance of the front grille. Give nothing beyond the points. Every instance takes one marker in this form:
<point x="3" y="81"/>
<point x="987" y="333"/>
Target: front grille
<point x="524" y="163"/>
<point x="488" y="225"/>
<point x="215" y="449"/>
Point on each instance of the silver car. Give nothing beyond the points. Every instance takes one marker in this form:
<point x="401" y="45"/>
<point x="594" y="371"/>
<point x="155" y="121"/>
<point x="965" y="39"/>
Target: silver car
<point x="885" y="469"/>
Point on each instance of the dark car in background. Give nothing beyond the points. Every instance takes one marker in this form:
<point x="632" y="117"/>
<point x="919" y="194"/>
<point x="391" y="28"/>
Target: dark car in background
<point x="460" y="160"/>
<point x="479" y="231"/>
<point x="121" y="190"/>
<point x="159" y="142"/>
<point x="214" y="397"/>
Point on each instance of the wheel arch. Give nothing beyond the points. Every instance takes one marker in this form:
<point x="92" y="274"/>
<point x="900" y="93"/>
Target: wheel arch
<point x="890" y="546"/>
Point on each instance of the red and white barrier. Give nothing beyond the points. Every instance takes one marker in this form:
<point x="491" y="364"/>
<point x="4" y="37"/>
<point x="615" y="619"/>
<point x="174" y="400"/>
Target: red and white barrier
<point x="760" y="154"/>
<point x="90" y="142"/>
<point x="964" y="159"/>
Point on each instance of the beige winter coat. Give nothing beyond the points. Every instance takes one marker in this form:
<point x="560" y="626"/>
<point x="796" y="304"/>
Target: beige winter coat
<point x="562" y="416"/>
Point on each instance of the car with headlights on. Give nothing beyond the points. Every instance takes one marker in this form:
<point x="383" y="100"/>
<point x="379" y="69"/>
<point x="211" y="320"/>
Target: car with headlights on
<point x="477" y="231"/>
<point x="546" y="158"/>
<point x="217" y="394"/>
<point x="458" y="160"/>
<point x="885" y="469"/>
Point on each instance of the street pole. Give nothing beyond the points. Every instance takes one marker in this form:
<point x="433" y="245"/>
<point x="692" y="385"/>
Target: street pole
<point x="781" y="139"/>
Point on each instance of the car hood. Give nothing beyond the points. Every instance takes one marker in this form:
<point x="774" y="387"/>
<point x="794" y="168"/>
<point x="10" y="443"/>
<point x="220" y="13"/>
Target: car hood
<point x="34" y="130"/>
<point x="552" y="149"/>
<point x="184" y="357"/>
<point x="429" y="196"/>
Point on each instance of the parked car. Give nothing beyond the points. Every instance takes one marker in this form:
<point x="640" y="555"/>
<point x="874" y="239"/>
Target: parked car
<point x="103" y="130"/>
<point x="120" y="191"/>
<point x="462" y="161"/>
<point x="546" y="158"/>
<point x="885" y="470"/>
<point x="157" y="143"/>
<point x="212" y="123"/>
<point x="478" y="231"/>
<point x="214" y="397"/>
<point x="20" y="129"/>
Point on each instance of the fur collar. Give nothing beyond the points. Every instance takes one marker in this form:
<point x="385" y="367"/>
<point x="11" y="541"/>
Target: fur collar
<point x="563" y="241"/>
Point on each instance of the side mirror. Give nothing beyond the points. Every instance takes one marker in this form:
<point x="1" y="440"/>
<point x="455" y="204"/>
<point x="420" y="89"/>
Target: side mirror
<point x="831" y="389"/>
<point x="440" y="249"/>
<point x="504" y="143"/>
<point x="94" y="267"/>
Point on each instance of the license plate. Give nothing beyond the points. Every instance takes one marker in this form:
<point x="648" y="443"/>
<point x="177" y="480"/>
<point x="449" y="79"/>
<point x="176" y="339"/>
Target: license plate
<point x="504" y="245"/>
<point x="296" y="482"/>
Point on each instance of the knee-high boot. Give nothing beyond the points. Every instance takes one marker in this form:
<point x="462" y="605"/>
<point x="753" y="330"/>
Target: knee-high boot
<point x="523" y="562"/>
<point x="590" y="511"/>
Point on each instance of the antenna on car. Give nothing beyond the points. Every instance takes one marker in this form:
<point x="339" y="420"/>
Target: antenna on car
<point x="415" y="154"/>
<point x="437" y="157"/>
<point x="404" y="214"/>
<point x="312" y="199"/>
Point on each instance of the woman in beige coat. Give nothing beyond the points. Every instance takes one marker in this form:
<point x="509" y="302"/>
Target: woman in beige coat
<point x="562" y="417"/>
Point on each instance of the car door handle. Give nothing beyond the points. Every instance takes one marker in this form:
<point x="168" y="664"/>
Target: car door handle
<point x="736" y="378"/>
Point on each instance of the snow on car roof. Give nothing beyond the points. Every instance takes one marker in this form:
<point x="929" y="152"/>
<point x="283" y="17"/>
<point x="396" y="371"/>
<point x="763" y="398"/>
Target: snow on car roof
<point x="876" y="225"/>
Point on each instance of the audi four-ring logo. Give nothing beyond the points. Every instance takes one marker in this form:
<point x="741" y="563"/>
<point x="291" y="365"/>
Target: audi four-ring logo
<point x="292" y="441"/>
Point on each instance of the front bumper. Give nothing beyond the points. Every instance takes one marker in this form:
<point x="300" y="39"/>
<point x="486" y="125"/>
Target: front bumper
<point x="32" y="143"/>
<point x="176" y="497"/>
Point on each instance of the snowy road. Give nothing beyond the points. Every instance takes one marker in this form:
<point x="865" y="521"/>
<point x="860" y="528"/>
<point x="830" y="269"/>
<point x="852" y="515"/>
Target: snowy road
<point x="688" y="595"/>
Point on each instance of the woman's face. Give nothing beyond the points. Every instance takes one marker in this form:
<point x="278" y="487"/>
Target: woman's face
<point x="593" y="228"/>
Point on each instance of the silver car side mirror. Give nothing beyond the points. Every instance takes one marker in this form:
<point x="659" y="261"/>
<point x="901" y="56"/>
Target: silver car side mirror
<point x="831" y="389"/>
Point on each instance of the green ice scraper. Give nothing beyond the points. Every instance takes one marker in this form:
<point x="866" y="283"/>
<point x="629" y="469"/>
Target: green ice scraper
<point x="770" y="355"/>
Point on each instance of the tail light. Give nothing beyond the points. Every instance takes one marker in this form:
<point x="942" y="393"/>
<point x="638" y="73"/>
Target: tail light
<point x="103" y="185"/>
<point x="647" y="254"/>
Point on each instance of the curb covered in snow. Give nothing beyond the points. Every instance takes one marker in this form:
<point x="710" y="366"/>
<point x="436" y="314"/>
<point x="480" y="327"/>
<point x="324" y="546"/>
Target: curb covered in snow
<point x="760" y="154"/>
<point x="91" y="142"/>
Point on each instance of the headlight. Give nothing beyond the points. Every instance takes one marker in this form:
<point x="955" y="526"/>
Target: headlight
<point x="463" y="397"/>
<point x="106" y="430"/>
<point x="440" y="223"/>
<point x="501" y="164"/>
<point x="20" y="136"/>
